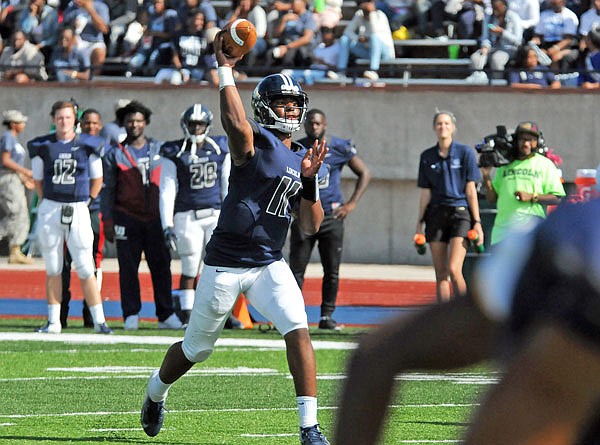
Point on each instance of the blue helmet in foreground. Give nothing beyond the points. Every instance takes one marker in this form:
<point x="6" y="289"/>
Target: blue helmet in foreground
<point x="273" y="87"/>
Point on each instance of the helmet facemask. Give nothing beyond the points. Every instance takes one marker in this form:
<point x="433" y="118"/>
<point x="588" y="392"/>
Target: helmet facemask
<point x="196" y="113"/>
<point x="277" y="86"/>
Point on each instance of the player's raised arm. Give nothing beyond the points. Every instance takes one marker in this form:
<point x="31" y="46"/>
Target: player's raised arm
<point x="311" y="212"/>
<point x="233" y="116"/>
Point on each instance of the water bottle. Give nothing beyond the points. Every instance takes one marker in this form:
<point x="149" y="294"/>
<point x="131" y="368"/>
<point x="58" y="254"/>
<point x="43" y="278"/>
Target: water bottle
<point x="419" y="240"/>
<point x="585" y="180"/>
<point x="473" y="238"/>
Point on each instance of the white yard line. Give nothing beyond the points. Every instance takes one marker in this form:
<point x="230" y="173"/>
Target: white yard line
<point x="98" y="339"/>
<point x="217" y="410"/>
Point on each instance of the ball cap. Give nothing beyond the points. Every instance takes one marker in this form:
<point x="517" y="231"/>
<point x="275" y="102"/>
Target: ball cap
<point x="13" y="116"/>
<point x="529" y="128"/>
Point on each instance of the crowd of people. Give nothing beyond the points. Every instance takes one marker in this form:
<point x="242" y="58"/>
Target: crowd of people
<point x="523" y="41"/>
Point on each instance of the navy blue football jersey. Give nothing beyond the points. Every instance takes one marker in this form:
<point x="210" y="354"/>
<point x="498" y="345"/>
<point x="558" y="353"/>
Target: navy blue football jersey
<point x="66" y="165"/>
<point x="548" y="271"/>
<point x="341" y="151"/>
<point x="256" y="212"/>
<point x="198" y="183"/>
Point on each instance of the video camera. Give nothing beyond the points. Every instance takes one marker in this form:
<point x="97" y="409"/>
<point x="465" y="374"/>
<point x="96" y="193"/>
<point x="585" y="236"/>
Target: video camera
<point x="496" y="149"/>
<point x="501" y="148"/>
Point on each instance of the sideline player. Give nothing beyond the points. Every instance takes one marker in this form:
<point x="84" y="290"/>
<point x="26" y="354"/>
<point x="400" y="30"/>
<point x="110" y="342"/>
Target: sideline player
<point x="268" y="178"/>
<point x="193" y="182"/>
<point x="131" y="216"/>
<point x="331" y="234"/>
<point x="537" y="299"/>
<point x="91" y="123"/>
<point x="67" y="170"/>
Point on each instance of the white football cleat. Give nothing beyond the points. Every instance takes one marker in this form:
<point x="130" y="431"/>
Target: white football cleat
<point x="173" y="322"/>
<point x="50" y="328"/>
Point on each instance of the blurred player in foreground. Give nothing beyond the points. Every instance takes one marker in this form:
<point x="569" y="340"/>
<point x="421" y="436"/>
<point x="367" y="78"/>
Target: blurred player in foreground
<point x="270" y="176"/>
<point x="540" y="294"/>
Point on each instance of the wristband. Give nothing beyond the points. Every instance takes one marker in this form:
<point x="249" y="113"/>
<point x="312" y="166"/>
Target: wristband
<point x="310" y="189"/>
<point x="74" y="75"/>
<point x="476" y="221"/>
<point x="225" y="77"/>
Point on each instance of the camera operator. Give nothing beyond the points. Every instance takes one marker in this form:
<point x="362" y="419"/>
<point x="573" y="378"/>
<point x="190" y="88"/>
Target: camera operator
<point x="524" y="186"/>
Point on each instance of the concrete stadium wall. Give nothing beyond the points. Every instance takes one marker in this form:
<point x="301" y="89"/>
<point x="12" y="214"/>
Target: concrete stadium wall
<point x="391" y="126"/>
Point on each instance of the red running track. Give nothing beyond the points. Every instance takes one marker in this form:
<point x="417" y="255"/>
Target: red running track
<point x="352" y="292"/>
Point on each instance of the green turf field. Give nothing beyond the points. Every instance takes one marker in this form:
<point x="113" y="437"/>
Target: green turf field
<point x="73" y="391"/>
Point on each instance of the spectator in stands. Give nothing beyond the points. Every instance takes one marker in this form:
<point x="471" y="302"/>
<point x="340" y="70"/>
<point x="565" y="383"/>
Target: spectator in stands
<point x="405" y="13"/>
<point x="188" y="6"/>
<point x="528" y="73"/>
<point x="192" y="57"/>
<point x="367" y="36"/>
<point x="40" y="23"/>
<point x="9" y="16"/>
<point x="160" y="25"/>
<point x="556" y="35"/>
<point x="330" y="14"/>
<point x="501" y="39"/>
<point x="122" y="13"/>
<point x="590" y="77"/>
<point x="89" y="19"/>
<point x="252" y="11"/>
<point x="68" y="63"/>
<point x="588" y="19"/>
<point x="325" y="57"/>
<point x="468" y="14"/>
<point x="529" y="12"/>
<point x="22" y="62"/>
<point x="448" y="204"/>
<point x="294" y="33"/>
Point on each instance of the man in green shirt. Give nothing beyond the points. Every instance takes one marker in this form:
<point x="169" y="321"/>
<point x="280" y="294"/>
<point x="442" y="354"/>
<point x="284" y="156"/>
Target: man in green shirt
<point x="522" y="188"/>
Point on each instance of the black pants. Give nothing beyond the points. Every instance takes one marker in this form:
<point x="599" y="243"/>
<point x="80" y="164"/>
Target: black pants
<point x="143" y="236"/>
<point x="66" y="276"/>
<point x="331" y="239"/>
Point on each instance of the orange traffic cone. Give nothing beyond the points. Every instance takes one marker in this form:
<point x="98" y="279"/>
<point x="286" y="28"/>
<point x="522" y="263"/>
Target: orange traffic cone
<point x="240" y="311"/>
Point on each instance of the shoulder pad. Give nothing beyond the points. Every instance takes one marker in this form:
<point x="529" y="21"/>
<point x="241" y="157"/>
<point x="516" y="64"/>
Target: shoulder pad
<point x="36" y="145"/>
<point x="222" y="142"/>
<point x="170" y="148"/>
<point x="94" y="144"/>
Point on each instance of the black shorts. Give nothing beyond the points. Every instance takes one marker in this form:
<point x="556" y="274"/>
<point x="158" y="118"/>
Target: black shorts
<point x="445" y="222"/>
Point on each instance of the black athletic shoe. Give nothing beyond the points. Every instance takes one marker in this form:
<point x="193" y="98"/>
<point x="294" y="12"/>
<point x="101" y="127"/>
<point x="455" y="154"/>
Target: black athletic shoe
<point x="328" y="323"/>
<point x="153" y="415"/>
<point x="312" y="435"/>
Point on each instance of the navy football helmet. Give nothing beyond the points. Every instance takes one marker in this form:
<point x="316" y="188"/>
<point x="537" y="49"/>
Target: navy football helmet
<point x="196" y="113"/>
<point x="273" y="87"/>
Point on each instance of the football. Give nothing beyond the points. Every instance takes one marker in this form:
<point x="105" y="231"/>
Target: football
<point x="239" y="38"/>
